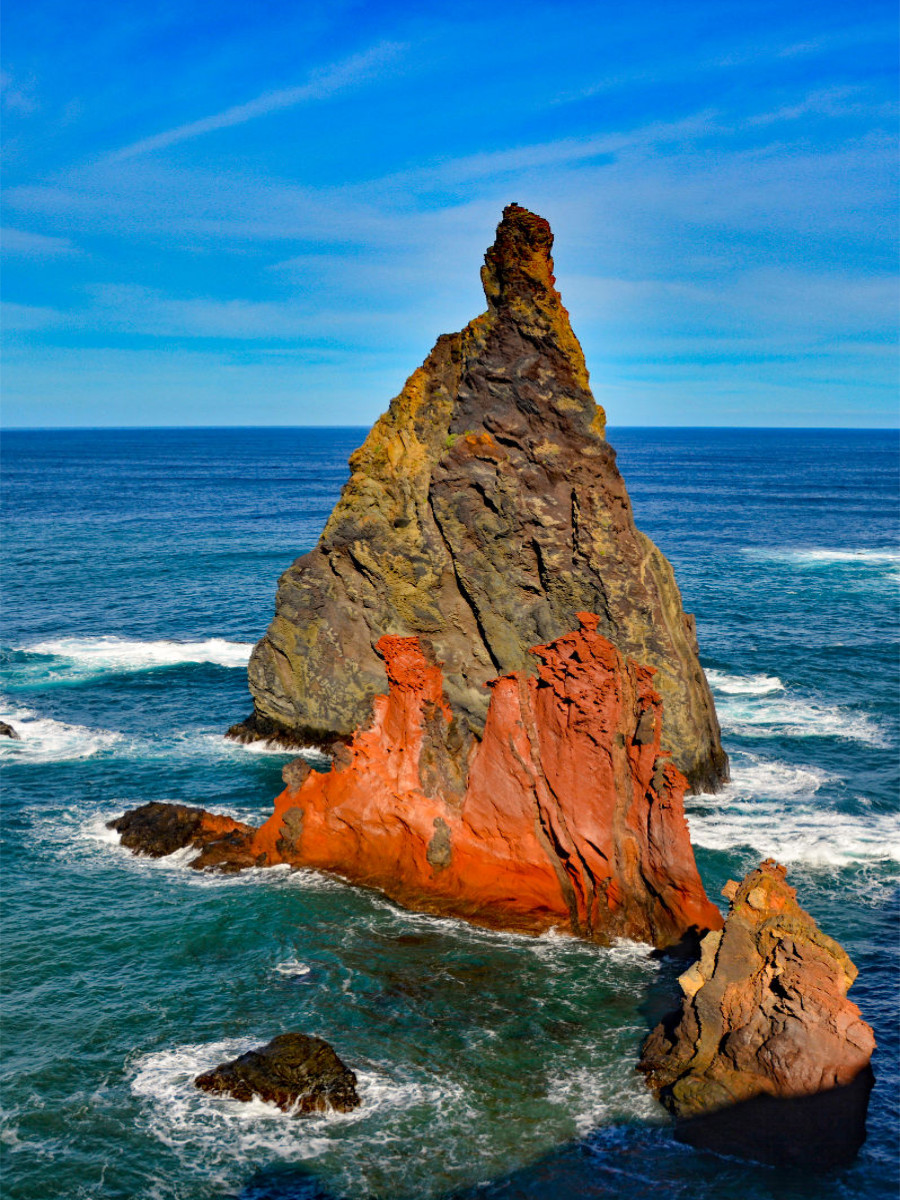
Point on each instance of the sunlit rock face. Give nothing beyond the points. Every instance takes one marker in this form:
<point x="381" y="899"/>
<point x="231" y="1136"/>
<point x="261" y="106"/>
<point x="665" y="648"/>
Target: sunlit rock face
<point x="767" y="1058"/>
<point x="483" y="512"/>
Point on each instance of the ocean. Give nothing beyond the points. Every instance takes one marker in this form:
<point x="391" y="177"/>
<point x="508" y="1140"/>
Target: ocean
<point x="139" y="569"/>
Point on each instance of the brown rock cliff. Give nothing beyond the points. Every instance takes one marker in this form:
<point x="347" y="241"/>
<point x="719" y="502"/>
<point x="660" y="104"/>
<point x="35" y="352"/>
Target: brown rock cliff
<point x="768" y="1058"/>
<point x="483" y="511"/>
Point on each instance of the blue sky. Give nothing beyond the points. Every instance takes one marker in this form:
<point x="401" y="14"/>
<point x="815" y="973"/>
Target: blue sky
<point x="264" y="214"/>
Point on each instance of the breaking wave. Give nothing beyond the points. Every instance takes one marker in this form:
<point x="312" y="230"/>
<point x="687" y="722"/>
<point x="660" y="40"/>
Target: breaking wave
<point x="43" y="740"/>
<point x="752" y="811"/>
<point x="75" y="659"/>
<point x="761" y="706"/>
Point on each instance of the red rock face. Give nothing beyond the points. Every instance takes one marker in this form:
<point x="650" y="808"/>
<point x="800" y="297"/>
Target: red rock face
<point x="567" y="814"/>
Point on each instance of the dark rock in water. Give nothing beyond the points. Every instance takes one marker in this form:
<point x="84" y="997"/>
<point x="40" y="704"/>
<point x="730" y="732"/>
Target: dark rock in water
<point x="8" y="731"/>
<point x="158" y="829"/>
<point x="767" y="1058"/>
<point x="299" y="1074"/>
<point x="483" y="512"/>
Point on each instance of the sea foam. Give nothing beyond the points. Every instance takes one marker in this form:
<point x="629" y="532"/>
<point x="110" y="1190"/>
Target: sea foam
<point x="43" y="740"/>
<point x="774" y="808"/>
<point x="91" y="656"/>
<point x="761" y="706"/>
<point x="817" y="557"/>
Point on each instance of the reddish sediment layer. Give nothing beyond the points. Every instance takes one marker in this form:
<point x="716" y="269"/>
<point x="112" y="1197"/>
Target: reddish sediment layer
<point x="568" y="813"/>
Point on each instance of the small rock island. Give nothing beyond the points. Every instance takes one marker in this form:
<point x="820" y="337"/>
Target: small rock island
<point x="767" y="1058"/>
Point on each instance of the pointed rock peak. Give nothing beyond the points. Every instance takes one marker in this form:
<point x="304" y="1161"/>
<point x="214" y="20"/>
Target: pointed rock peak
<point x="518" y="266"/>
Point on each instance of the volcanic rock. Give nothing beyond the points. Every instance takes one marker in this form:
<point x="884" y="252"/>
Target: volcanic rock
<point x="767" y="1059"/>
<point x="8" y="731"/>
<point x="299" y="1074"/>
<point x="483" y="512"/>
<point x="566" y="814"/>
<point x="159" y="829"/>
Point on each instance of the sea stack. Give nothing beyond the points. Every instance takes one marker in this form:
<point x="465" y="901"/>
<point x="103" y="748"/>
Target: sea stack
<point x="496" y="658"/>
<point x="483" y="511"/>
<point x="767" y="1058"/>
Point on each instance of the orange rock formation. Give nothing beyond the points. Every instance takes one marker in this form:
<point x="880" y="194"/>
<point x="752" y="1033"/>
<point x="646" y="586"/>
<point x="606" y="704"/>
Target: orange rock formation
<point x="567" y="814"/>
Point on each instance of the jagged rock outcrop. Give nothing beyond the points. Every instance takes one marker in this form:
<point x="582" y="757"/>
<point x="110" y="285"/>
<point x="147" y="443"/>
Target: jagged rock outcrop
<point x="8" y="731"/>
<point x="767" y="1059"/>
<point x="299" y="1074"/>
<point x="567" y="813"/>
<point x="483" y="511"/>
<point x="158" y="829"/>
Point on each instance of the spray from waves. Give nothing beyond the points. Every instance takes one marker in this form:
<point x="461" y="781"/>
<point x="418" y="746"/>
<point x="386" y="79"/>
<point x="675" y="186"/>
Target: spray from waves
<point x="760" y="706"/>
<point x="773" y="808"/>
<point x="42" y="740"/>
<point x="744" y="685"/>
<point x="826" y="558"/>
<point x="190" y="1121"/>
<point x="74" y="659"/>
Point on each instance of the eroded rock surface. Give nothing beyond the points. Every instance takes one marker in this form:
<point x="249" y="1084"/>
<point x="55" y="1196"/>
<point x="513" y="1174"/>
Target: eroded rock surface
<point x="9" y="731"/>
<point x="299" y="1074"/>
<point x="767" y="1059"/>
<point x="566" y="814"/>
<point x="483" y="511"/>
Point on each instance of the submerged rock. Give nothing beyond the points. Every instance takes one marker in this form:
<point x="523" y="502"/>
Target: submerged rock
<point x="158" y="829"/>
<point x="567" y="813"/>
<point x="8" y="731"/>
<point x="767" y="1058"/>
<point x="299" y="1074"/>
<point x="483" y="512"/>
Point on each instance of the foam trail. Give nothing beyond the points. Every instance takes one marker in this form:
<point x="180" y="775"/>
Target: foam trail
<point x="751" y="811"/>
<point x="86" y="657"/>
<point x="43" y="740"/>
<point x="826" y="558"/>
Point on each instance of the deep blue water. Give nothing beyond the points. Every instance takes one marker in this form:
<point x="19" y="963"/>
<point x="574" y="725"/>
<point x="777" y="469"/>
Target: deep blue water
<point x="139" y="567"/>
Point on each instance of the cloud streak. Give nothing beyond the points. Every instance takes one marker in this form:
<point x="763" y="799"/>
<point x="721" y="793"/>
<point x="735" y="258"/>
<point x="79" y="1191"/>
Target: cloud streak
<point x="325" y="82"/>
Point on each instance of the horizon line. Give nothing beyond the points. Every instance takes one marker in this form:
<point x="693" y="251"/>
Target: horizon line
<point x="221" y="428"/>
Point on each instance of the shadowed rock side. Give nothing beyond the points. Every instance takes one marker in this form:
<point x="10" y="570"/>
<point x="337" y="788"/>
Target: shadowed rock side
<point x="566" y="814"/>
<point x="767" y="1059"/>
<point x="299" y="1074"/>
<point x="157" y="829"/>
<point x="483" y="511"/>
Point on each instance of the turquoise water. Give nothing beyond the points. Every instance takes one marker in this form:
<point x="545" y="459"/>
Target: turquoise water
<point x="140" y="567"/>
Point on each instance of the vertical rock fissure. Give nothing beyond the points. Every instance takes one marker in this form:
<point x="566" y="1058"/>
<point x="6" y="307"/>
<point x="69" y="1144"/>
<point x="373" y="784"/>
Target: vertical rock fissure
<point x="464" y="592"/>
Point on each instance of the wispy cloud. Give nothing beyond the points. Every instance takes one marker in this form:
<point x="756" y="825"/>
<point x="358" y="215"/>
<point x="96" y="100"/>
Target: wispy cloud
<point x="322" y="83"/>
<point x="17" y="97"/>
<point x="34" y="245"/>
